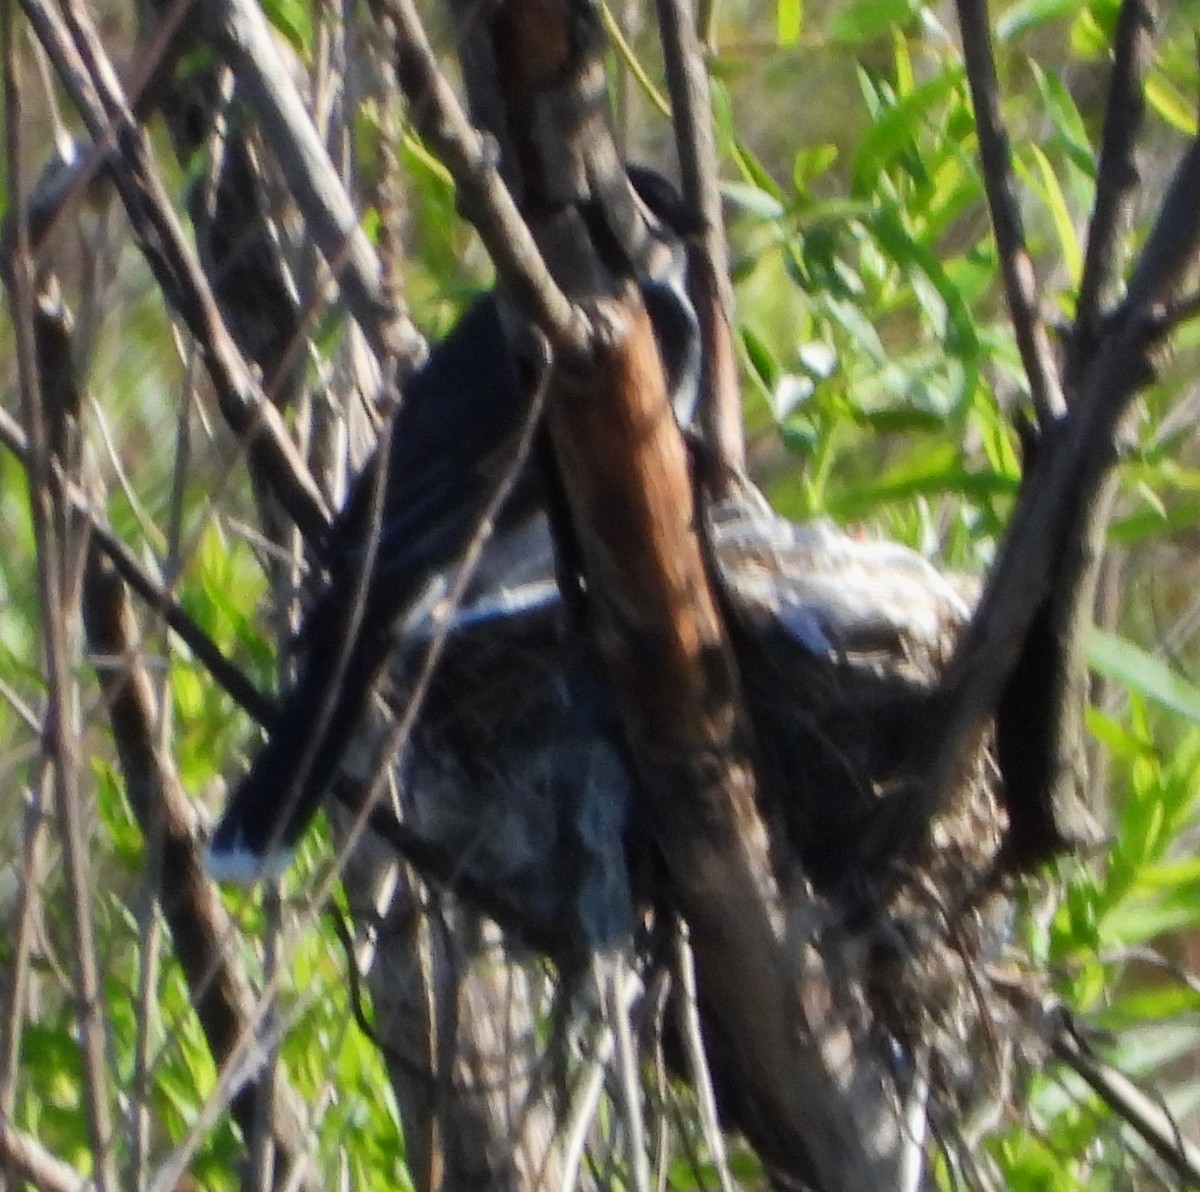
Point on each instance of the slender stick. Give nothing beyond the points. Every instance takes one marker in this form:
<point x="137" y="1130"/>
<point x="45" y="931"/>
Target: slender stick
<point x="247" y="696"/>
<point x="122" y="145"/>
<point x="1142" y="1112"/>
<point x="687" y="79"/>
<point x="200" y="927"/>
<point x="61" y="732"/>
<point x="28" y="1159"/>
<point x="1020" y="286"/>
<point x="241" y="32"/>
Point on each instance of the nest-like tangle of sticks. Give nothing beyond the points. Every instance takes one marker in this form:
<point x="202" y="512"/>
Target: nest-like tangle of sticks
<point x="517" y="771"/>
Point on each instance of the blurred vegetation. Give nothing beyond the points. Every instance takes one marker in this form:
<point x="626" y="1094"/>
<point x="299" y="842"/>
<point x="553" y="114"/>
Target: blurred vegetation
<point x="881" y="382"/>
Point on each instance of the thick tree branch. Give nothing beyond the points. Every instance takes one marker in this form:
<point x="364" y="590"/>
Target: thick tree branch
<point x="1020" y="286"/>
<point x="1059" y="497"/>
<point x="767" y="995"/>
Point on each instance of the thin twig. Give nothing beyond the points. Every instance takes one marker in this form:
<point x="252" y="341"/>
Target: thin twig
<point x="687" y="1007"/>
<point x="687" y="79"/>
<point x="61" y="735"/>
<point x="241" y="33"/>
<point x="22" y="927"/>
<point x="1020" y="286"/>
<point x="33" y="1164"/>
<point x="244" y="693"/>
<point x="1142" y="1113"/>
<point x="121" y="144"/>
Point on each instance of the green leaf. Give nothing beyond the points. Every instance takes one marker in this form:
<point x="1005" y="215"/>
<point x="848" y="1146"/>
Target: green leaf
<point x="1064" y="225"/>
<point x="1120" y="659"/>
<point x="956" y="327"/>
<point x="811" y="163"/>
<point x="762" y="361"/>
<point x="1060" y="106"/>
<point x="1171" y="104"/>
<point x="895" y="130"/>
<point x="1032" y="14"/>
<point x="294" y="20"/>
<point x="789" y="21"/>
<point x="752" y="199"/>
<point x="866" y="20"/>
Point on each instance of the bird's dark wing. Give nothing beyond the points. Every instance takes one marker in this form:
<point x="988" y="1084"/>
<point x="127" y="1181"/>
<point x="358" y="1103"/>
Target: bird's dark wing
<point x="452" y="438"/>
<point x="457" y="426"/>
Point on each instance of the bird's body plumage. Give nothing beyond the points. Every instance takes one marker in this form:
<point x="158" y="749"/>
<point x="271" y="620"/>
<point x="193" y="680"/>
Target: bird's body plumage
<point x="448" y="450"/>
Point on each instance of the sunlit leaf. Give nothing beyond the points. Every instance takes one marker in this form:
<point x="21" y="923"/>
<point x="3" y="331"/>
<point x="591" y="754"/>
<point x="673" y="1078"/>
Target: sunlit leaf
<point x="865" y="20"/>
<point x="1064" y="224"/>
<point x="1027" y="15"/>
<point x="1120" y="659"/>
<point x="789" y="21"/>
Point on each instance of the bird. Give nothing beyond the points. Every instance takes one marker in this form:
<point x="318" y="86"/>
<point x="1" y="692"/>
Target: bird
<point x="411" y="514"/>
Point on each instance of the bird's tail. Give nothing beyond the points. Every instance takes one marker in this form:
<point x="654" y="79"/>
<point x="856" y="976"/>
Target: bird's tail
<point x="279" y="796"/>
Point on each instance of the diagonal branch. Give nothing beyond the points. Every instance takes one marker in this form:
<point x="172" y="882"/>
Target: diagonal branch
<point x="1143" y="1113"/>
<point x="247" y="696"/>
<point x="240" y="32"/>
<point x="1020" y="286"/>
<point x="483" y="196"/>
<point x="36" y="1166"/>
<point x="121" y="144"/>
<point x="1068" y="479"/>
<point x="199" y="925"/>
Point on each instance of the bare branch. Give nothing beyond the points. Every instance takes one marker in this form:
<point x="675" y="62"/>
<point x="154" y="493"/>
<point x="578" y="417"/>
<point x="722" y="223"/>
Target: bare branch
<point x="483" y="196"/>
<point x="240" y="32"/>
<point x="1117" y="173"/>
<point x="61" y="734"/>
<point x="687" y="78"/>
<point x="1142" y="1112"/>
<point x="31" y="1162"/>
<point x="121" y="144"/>
<point x="247" y="696"/>
<point x="1170" y="250"/>
<point x="1059" y="498"/>
<point x="199" y="925"/>
<point x="1020" y="286"/>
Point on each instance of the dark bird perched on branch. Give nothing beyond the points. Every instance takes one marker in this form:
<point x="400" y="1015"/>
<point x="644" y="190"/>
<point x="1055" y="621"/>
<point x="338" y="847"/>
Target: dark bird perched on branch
<point x="411" y="515"/>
